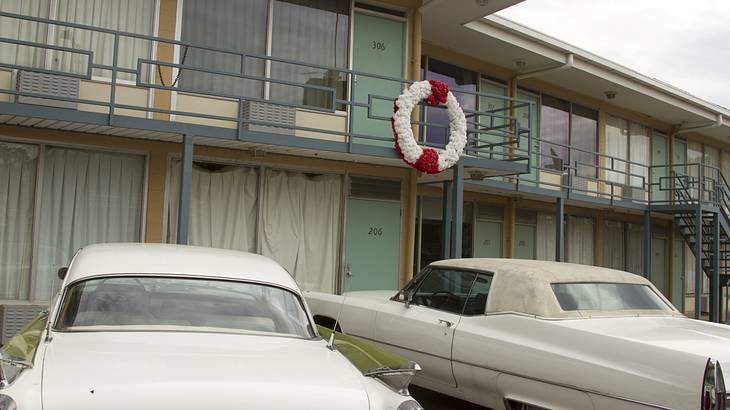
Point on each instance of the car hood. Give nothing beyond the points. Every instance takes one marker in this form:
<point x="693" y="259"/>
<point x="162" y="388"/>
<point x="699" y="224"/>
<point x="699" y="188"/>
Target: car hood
<point x="155" y="370"/>
<point x="674" y="333"/>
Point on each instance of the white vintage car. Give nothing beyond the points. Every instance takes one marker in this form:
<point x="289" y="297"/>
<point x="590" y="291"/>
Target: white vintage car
<point x="175" y="327"/>
<point x="517" y="334"/>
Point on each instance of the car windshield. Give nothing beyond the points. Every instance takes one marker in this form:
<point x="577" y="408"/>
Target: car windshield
<point x="173" y="303"/>
<point x="607" y="296"/>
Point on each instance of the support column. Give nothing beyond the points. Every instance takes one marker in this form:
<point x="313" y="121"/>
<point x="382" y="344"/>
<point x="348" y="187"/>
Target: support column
<point x="715" y="301"/>
<point x="186" y="181"/>
<point x="410" y="216"/>
<point x="698" y="264"/>
<point x="560" y="230"/>
<point x="647" y="244"/>
<point x="510" y="217"/>
<point x="458" y="207"/>
<point x="598" y="256"/>
<point x="446" y="219"/>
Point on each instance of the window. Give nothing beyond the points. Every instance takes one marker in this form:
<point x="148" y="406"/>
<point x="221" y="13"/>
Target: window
<point x="23" y="30"/>
<point x="444" y="289"/>
<point x="627" y="142"/>
<point x="554" y="133"/>
<point x="607" y="296"/>
<point x="476" y="304"/>
<point x="584" y="139"/>
<point x="84" y="197"/>
<point x="462" y="83"/>
<point x="135" y="16"/>
<point x="639" y="153"/>
<point x="182" y="304"/>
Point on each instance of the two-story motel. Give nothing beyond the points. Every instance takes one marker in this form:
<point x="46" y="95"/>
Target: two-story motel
<point x="264" y="125"/>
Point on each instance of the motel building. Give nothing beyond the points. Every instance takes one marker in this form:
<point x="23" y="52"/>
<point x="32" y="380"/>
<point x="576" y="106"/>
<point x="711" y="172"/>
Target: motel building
<point x="264" y="126"/>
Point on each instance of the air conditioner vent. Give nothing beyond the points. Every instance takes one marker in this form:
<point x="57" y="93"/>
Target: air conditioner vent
<point x="48" y="84"/>
<point x="14" y="317"/>
<point x="268" y="113"/>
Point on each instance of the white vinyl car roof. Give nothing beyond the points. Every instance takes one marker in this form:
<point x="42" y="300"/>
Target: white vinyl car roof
<point x="523" y="286"/>
<point x="193" y="261"/>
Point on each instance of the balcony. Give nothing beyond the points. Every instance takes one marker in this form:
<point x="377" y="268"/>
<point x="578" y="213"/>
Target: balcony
<point x="344" y="114"/>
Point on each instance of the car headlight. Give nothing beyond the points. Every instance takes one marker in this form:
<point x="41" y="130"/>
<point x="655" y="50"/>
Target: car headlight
<point x="410" y="405"/>
<point x="7" y="403"/>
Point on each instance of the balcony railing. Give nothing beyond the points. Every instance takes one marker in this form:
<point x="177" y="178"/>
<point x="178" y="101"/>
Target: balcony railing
<point x="337" y="112"/>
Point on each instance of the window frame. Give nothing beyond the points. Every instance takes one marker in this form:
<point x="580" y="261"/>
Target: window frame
<point x="38" y="198"/>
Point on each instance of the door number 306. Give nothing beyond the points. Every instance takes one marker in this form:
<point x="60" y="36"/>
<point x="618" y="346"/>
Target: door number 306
<point x="375" y="231"/>
<point x="378" y="45"/>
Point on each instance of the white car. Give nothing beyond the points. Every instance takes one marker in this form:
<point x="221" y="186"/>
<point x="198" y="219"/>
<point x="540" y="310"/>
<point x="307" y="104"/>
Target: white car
<point x="518" y="334"/>
<point x="146" y="326"/>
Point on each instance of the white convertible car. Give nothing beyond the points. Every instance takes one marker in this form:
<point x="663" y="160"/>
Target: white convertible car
<point x="517" y="334"/>
<point x="174" y="327"/>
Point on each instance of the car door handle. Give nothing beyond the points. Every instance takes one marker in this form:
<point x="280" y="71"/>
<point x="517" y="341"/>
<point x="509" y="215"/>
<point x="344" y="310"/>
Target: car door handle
<point x="446" y="323"/>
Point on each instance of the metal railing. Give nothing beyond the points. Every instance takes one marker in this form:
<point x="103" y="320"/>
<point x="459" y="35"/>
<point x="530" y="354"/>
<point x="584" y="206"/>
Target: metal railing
<point x="328" y="90"/>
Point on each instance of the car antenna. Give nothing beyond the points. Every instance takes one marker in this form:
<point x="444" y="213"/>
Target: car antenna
<point x="331" y="342"/>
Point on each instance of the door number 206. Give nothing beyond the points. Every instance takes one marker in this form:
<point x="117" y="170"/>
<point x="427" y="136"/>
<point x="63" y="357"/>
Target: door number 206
<point x="375" y="231"/>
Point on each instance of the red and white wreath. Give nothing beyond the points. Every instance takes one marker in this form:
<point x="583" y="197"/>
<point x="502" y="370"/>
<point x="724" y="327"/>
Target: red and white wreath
<point x="428" y="160"/>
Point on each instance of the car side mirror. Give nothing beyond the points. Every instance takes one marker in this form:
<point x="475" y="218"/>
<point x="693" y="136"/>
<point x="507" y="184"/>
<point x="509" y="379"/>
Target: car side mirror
<point x="407" y="298"/>
<point x="62" y="273"/>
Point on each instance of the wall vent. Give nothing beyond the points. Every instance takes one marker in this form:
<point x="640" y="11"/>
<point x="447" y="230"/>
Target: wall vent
<point x="48" y="84"/>
<point x="370" y="188"/>
<point x="14" y="317"/>
<point x="270" y="114"/>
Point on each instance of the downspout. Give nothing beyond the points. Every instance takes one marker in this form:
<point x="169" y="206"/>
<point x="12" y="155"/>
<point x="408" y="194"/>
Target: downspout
<point x="719" y="122"/>
<point x="569" y="59"/>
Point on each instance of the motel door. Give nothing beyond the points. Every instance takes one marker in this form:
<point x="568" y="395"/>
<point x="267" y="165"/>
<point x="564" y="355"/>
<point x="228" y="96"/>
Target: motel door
<point x="377" y="48"/>
<point x="525" y="241"/>
<point x="372" y="236"/>
<point x="678" y="274"/>
<point x="659" y="156"/>
<point x="488" y="239"/>
<point x="659" y="264"/>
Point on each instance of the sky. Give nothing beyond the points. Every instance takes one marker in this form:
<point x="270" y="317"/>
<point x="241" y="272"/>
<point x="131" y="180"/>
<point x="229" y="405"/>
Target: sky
<point x="683" y="43"/>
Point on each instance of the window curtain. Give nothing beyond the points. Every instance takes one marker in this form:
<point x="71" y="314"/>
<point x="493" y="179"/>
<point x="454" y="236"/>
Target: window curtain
<point x="135" y="16"/>
<point x="310" y="31"/>
<point x="88" y="197"/>
<point x="18" y="164"/>
<point x="614" y="245"/>
<point x="635" y="249"/>
<point x="640" y="153"/>
<point x="23" y="30"/>
<point x="545" y="237"/>
<point x="617" y="140"/>
<point x="580" y="240"/>
<point x="223" y="206"/>
<point x="301" y="226"/>
<point x="694" y="157"/>
<point x="229" y="25"/>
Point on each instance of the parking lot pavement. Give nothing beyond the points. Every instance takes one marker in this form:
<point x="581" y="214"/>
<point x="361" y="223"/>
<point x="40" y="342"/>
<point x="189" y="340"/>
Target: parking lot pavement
<point x="430" y="400"/>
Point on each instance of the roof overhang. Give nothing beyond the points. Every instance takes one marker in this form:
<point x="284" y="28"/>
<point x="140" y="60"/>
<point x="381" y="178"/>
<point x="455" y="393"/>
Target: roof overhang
<point x="446" y="13"/>
<point x="502" y="42"/>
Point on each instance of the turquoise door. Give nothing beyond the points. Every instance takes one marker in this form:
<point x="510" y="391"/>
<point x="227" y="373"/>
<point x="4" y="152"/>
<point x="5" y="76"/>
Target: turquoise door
<point x="678" y="274"/>
<point x="372" y="245"/>
<point x="488" y="239"/>
<point x="377" y="48"/>
<point x="659" y="156"/>
<point x="525" y="241"/>
<point x="527" y="119"/>
<point x="493" y="128"/>
<point x="659" y="264"/>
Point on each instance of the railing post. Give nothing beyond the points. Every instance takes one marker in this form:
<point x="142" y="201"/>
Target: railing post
<point x="715" y="300"/>
<point x="186" y="181"/>
<point x="446" y="219"/>
<point x="113" y="89"/>
<point x="698" y="263"/>
<point x="647" y="244"/>
<point x="458" y="208"/>
<point x="560" y="229"/>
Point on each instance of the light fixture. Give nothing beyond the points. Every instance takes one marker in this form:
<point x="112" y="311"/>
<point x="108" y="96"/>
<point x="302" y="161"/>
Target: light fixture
<point x="482" y="3"/>
<point x="610" y="94"/>
<point x="520" y="64"/>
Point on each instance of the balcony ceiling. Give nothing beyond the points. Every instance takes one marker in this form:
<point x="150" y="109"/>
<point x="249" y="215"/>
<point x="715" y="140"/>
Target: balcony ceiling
<point x="448" y="13"/>
<point x="501" y="42"/>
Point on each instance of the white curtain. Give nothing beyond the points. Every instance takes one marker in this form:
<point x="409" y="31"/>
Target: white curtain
<point x="23" y="30"/>
<point x="301" y="226"/>
<point x="545" y="237"/>
<point x="580" y="240"/>
<point x="640" y="153"/>
<point x="635" y="249"/>
<point x="135" y="16"/>
<point x="223" y="206"/>
<point x="694" y="157"/>
<point x="18" y="164"/>
<point x="88" y="197"/>
<point x="614" y="245"/>
<point x="617" y="139"/>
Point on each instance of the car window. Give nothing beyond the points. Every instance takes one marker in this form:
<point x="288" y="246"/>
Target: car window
<point x="476" y="303"/>
<point x="162" y="303"/>
<point x="607" y="296"/>
<point x="444" y="289"/>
